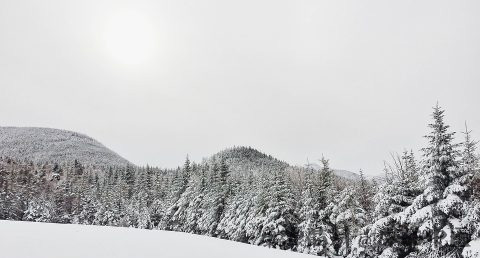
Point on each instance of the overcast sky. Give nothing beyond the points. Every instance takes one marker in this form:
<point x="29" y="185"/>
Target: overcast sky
<point x="157" y="80"/>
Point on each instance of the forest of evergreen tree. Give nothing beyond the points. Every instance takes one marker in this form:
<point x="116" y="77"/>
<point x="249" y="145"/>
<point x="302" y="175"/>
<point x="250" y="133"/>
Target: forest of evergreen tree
<point x="426" y="205"/>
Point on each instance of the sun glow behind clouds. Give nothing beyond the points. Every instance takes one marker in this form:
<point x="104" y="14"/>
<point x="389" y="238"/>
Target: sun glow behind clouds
<point x="130" y="37"/>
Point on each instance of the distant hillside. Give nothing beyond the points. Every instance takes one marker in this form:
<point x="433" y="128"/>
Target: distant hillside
<point x="54" y="145"/>
<point x="241" y="159"/>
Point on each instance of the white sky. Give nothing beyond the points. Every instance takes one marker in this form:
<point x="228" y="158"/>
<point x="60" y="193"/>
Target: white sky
<point x="353" y="80"/>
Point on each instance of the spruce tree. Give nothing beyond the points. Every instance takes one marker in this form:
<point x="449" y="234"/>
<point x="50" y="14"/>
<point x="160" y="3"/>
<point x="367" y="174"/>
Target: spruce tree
<point x="365" y="193"/>
<point x="348" y="217"/>
<point x="279" y="228"/>
<point x="436" y="212"/>
<point x="469" y="164"/>
<point x="386" y="234"/>
<point x="314" y="229"/>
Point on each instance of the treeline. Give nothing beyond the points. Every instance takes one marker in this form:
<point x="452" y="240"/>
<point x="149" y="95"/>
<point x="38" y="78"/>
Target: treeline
<point x="423" y="208"/>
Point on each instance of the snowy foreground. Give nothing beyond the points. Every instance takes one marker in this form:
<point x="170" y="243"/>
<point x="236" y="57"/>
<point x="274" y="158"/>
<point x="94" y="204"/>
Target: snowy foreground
<point x="472" y="249"/>
<point x="38" y="240"/>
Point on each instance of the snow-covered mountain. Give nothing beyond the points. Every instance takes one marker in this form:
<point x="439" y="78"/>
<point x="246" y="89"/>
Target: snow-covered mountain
<point x="47" y="240"/>
<point x="241" y="159"/>
<point x="247" y="159"/>
<point x="54" y="145"/>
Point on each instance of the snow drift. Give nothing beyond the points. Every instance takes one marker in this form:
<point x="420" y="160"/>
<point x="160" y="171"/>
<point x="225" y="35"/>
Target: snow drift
<point x="44" y="240"/>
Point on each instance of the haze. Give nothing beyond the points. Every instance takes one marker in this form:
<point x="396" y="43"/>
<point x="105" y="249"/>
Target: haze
<point x="157" y="80"/>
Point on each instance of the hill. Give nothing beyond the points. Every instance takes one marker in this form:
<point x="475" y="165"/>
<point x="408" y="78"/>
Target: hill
<point x="54" y="145"/>
<point x="241" y="159"/>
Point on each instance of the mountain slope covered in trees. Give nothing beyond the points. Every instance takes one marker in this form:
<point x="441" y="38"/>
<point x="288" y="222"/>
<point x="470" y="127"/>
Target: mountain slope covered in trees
<point x="54" y="145"/>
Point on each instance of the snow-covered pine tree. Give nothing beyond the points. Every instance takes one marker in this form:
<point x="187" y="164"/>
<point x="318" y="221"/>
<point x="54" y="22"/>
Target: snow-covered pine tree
<point x="222" y="188"/>
<point x="326" y="187"/>
<point x="196" y="208"/>
<point x="138" y="205"/>
<point x="279" y="228"/>
<point x="386" y="235"/>
<point x="348" y="217"/>
<point x="436" y="212"/>
<point x="469" y="164"/>
<point x="57" y="172"/>
<point x="161" y="186"/>
<point x="239" y="211"/>
<point x="308" y="215"/>
<point x="314" y="232"/>
<point x="179" y="198"/>
<point x="129" y="178"/>
<point x="254" y="225"/>
<point x="400" y="188"/>
<point x="327" y="192"/>
<point x="4" y="192"/>
<point x="63" y="201"/>
<point x="216" y="197"/>
<point x="365" y="193"/>
<point x="39" y="209"/>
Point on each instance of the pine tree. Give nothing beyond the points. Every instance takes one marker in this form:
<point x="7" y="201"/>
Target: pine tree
<point x="129" y="178"/>
<point x="365" y="195"/>
<point x="348" y="217"/>
<point x="216" y="197"/>
<point x="4" y="193"/>
<point x="387" y="235"/>
<point x="239" y="211"/>
<point x="279" y="226"/>
<point x="39" y="209"/>
<point x="314" y="230"/>
<point x="179" y="199"/>
<point x="308" y="215"/>
<point x="436" y="212"/>
<point x="57" y="172"/>
<point x="469" y="164"/>
<point x="196" y="208"/>
<point x="257" y="216"/>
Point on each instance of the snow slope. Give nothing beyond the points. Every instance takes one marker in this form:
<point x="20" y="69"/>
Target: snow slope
<point x="44" y="240"/>
<point x="472" y="249"/>
<point x="54" y="145"/>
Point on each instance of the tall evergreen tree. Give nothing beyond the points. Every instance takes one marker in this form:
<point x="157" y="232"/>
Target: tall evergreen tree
<point x="387" y="236"/>
<point x="365" y="193"/>
<point x="314" y="230"/>
<point x="436" y="211"/>
<point x="348" y="216"/>
<point x="279" y="228"/>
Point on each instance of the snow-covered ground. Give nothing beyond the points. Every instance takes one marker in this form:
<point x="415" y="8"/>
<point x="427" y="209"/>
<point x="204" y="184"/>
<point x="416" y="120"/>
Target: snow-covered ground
<point x="472" y="249"/>
<point x="45" y="240"/>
